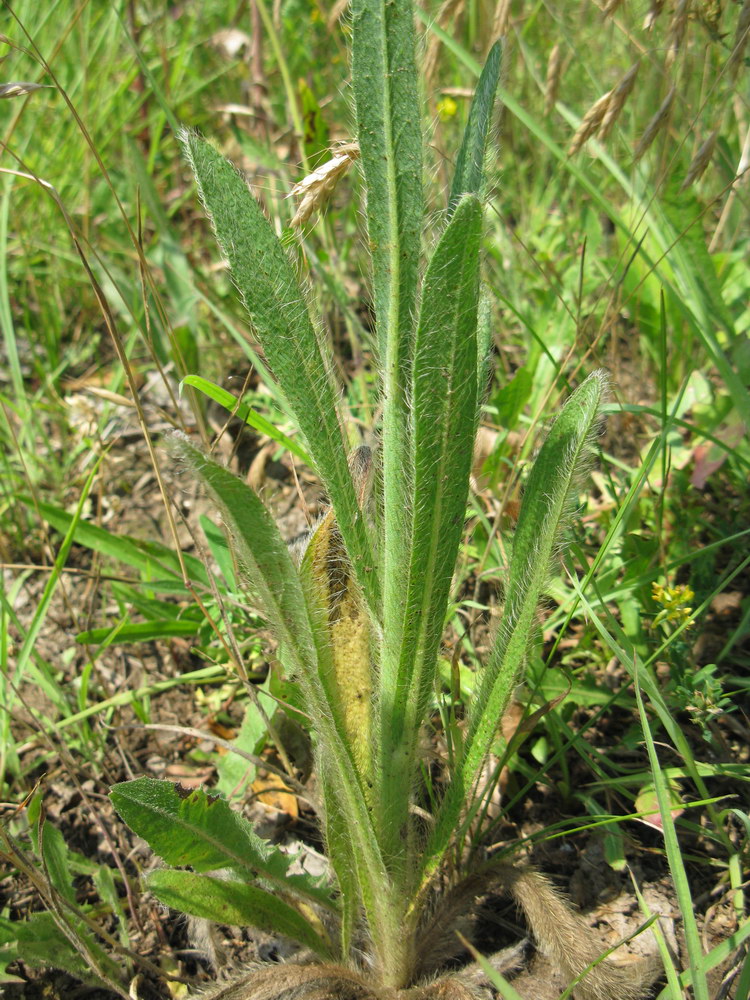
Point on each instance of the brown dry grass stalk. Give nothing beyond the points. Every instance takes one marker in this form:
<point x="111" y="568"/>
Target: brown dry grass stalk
<point x="501" y="20"/>
<point x="677" y="30"/>
<point x="657" y="6"/>
<point x="449" y="9"/>
<point x="552" y="83"/>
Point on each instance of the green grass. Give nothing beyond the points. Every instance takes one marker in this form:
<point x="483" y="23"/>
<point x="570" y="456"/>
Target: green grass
<point x="592" y="260"/>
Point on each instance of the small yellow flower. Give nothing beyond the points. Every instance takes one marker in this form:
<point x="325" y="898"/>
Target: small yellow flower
<point x="674" y="601"/>
<point x="446" y="108"/>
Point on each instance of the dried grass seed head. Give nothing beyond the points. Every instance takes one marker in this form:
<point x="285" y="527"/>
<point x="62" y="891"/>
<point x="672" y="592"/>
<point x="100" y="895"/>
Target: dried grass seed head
<point x="677" y="30"/>
<point x="590" y="123"/>
<point x="21" y="88"/>
<point x="317" y="186"/>
<point x="617" y="102"/>
<point x="658" y="122"/>
<point x="701" y="160"/>
<point x="710" y="14"/>
<point x="501" y="19"/>
<point x="657" y="6"/>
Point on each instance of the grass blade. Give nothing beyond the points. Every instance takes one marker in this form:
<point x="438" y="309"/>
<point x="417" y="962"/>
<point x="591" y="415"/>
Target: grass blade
<point x="25" y="653"/>
<point x="140" y="632"/>
<point x="715" y="958"/>
<point x="246" y="413"/>
<point x="674" y="857"/>
<point x="152" y="559"/>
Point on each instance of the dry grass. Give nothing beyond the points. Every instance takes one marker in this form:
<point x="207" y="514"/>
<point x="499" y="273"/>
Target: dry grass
<point x="318" y="186"/>
<point x="740" y="40"/>
<point x="552" y="82"/>
<point x="501" y="19"/>
<point x="450" y="11"/>
<point x="617" y="101"/>
<point x="677" y="30"/>
<point x="657" y="123"/>
<point x="657" y="6"/>
<point x="701" y="159"/>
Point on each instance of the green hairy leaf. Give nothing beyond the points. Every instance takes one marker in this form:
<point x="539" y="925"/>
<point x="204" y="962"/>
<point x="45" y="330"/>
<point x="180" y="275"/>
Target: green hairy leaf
<point x="444" y="394"/>
<point x="236" y="903"/>
<point x="274" y="300"/>
<point x="469" y="175"/>
<point x="548" y="500"/>
<point x="201" y="830"/>
<point x="276" y="584"/>
<point x="41" y="941"/>
<point x="341" y="854"/>
<point x="389" y="127"/>
<point x="551" y="489"/>
<point x="54" y="853"/>
<point x="263" y="555"/>
<point x="384" y="81"/>
<point x="545" y="510"/>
